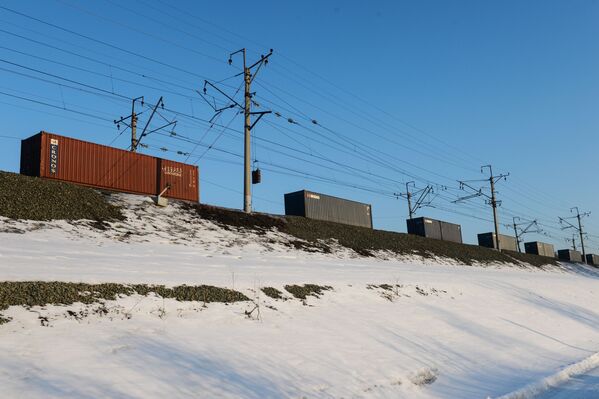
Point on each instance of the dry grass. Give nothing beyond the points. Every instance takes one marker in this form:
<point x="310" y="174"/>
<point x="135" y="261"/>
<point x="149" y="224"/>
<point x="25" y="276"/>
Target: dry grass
<point x="32" y="198"/>
<point x="40" y="293"/>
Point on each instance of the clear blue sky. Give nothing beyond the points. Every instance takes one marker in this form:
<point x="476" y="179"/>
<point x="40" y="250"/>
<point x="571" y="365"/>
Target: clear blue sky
<point x="426" y="91"/>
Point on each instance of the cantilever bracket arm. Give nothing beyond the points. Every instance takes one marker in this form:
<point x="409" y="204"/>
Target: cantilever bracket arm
<point x="420" y="202"/>
<point x="478" y="194"/>
<point x="223" y="93"/>
<point x="263" y="60"/>
<point x="531" y="224"/>
<point x="502" y="176"/>
<point x="260" y="115"/>
<point x="158" y="128"/>
<point x="570" y="225"/>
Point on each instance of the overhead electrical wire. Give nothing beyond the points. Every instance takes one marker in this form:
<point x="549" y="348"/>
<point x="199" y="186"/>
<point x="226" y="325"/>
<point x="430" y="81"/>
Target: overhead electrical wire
<point x="54" y="106"/>
<point x="298" y="173"/>
<point x="335" y="100"/>
<point x="370" y="131"/>
<point x="176" y="112"/>
<point x="408" y="124"/>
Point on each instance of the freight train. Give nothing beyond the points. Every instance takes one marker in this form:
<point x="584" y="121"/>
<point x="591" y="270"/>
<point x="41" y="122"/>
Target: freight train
<point x="52" y="156"/>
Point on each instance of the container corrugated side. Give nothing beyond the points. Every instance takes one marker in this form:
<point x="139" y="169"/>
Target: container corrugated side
<point x="181" y="178"/>
<point x="437" y="229"/>
<point x="506" y="242"/>
<point x="539" y="248"/>
<point x="569" y="255"/>
<point x="95" y="165"/>
<point x="451" y="232"/>
<point x="334" y="209"/>
<point x="328" y="208"/>
<point x="593" y="259"/>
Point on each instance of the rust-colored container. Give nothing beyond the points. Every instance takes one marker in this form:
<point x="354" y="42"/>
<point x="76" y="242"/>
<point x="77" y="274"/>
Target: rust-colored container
<point x="57" y="157"/>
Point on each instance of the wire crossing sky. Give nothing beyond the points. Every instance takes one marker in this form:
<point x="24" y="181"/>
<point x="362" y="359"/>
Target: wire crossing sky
<point x="365" y="97"/>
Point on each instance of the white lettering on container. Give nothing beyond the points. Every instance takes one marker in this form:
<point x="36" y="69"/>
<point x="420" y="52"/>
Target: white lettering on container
<point x="53" y="156"/>
<point x="172" y="171"/>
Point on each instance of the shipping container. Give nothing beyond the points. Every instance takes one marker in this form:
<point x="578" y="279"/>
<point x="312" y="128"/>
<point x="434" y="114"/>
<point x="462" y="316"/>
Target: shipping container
<point x="593" y="259"/>
<point x="57" y="157"/>
<point x="507" y="243"/>
<point x="325" y="207"/>
<point x="437" y="229"/>
<point x="569" y="255"/>
<point x="539" y="248"/>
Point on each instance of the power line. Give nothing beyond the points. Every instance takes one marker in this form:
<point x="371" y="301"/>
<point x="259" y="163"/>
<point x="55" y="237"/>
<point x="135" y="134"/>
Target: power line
<point x="53" y="106"/>
<point x="207" y="121"/>
<point x="103" y="43"/>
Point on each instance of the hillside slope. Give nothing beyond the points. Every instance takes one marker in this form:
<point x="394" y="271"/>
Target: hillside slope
<point x="382" y="324"/>
<point x="27" y="198"/>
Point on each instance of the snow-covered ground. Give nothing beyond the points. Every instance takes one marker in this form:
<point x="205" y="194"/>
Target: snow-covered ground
<point x="585" y="385"/>
<point x="443" y="331"/>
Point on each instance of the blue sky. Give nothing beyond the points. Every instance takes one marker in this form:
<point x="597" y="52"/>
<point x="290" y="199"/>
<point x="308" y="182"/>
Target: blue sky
<point x="426" y="91"/>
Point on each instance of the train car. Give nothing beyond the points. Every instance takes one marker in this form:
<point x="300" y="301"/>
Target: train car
<point x="326" y="207"/>
<point x="56" y="157"/>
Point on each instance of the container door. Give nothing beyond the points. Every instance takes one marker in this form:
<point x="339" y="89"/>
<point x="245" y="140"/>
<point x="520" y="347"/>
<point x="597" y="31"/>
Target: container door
<point x="181" y="179"/>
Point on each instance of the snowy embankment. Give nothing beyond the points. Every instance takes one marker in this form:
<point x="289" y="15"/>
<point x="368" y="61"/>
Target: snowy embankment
<point x="562" y="384"/>
<point x="397" y="328"/>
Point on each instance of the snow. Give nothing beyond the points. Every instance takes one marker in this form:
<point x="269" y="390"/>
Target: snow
<point x="445" y="330"/>
<point x="581" y="386"/>
<point x="562" y="385"/>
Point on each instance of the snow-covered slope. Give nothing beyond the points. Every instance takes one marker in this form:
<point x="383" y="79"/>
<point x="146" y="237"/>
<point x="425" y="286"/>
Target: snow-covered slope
<point x="433" y="330"/>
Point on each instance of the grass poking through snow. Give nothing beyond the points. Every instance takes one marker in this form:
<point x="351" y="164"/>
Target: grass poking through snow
<point x="272" y="292"/>
<point x="303" y="291"/>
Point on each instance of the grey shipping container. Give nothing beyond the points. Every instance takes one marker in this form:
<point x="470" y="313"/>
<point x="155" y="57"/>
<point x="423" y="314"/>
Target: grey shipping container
<point x="593" y="259"/>
<point x="539" y="248"/>
<point x="431" y="228"/>
<point x="569" y="255"/>
<point x="505" y="242"/>
<point x="325" y="207"/>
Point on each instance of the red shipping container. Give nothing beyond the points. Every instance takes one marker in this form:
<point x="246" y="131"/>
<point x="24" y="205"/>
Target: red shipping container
<point x="57" y="157"/>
